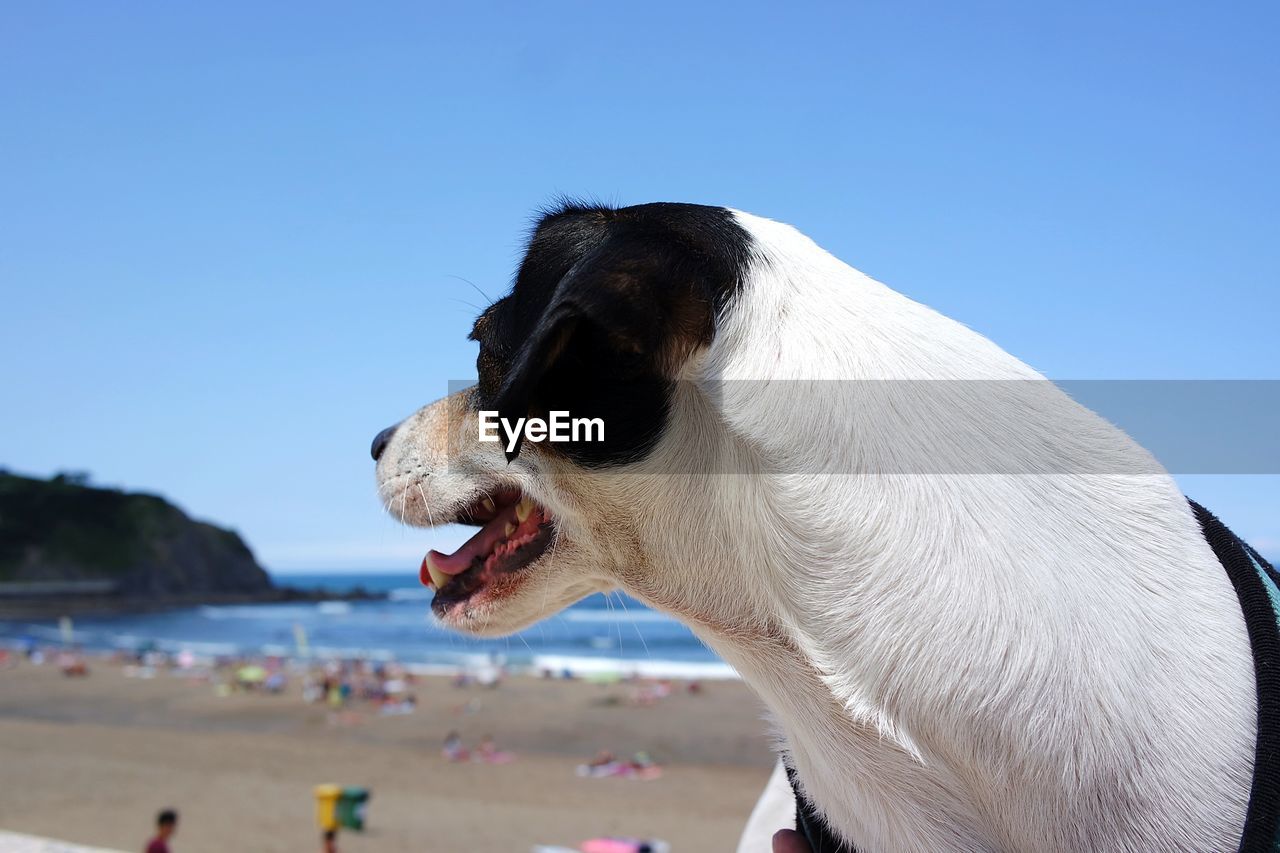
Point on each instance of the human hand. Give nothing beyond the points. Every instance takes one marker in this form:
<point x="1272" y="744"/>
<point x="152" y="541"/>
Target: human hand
<point x="789" y="841"/>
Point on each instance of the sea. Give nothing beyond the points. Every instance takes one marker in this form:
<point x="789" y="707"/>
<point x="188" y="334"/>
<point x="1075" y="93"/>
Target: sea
<point x="613" y="635"/>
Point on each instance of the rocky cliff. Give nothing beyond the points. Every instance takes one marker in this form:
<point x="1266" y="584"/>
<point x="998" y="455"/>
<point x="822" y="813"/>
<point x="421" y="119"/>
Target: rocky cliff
<point x="63" y="531"/>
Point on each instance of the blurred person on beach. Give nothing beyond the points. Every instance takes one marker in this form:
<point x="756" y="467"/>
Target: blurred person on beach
<point x="166" y="826"/>
<point x="336" y="695"/>
<point x="329" y="841"/>
<point x="275" y="682"/>
<point x="453" y="749"/>
<point x="488" y="753"/>
<point x="603" y="759"/>
<point x="72" y="663"/>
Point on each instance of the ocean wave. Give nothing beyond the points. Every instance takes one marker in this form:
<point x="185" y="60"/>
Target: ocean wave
<point x="333" y="608"/>
<point x="626" y="667"/>
<point x="410" y="593"/>
<point x="274" y="612"/>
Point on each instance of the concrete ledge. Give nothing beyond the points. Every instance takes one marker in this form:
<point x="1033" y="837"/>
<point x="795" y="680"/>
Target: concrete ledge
<point x="15" y="842"/>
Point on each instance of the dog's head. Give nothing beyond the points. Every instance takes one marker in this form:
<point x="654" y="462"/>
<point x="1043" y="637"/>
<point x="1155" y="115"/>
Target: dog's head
<point x="608" y="308"/>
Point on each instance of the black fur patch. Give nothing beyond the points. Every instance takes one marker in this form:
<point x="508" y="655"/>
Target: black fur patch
<point x="606" y="305"/>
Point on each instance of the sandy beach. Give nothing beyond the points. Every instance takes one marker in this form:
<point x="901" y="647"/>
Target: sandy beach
<point x="91" y="760"/>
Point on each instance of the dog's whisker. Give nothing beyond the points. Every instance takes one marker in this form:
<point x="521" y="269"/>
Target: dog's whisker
<point x="466" y="303"/>
<point x="622" y="600"/>
<point x="608" y="597"/>
<point x="546" y="588"/>
<point x="474" y="286"/>
<point x="425" y="506"/>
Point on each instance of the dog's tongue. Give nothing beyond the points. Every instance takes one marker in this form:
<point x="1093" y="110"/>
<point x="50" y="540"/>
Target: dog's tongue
<point x="481" y="545"/>
<point x="437" y="565"/>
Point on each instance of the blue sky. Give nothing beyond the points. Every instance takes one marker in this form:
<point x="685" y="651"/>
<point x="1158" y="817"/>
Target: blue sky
<point x="233" y="236"/>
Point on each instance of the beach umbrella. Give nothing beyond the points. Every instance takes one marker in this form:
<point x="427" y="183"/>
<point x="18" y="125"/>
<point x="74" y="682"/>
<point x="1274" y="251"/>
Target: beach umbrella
<point x="251" y="674"/>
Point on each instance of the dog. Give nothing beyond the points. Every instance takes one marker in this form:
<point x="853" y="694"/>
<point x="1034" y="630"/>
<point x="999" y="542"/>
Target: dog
<point x="975" y="625"/>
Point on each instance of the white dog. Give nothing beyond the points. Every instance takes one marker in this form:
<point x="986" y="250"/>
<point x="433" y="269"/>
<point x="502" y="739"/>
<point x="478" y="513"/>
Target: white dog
<point x="981" y="617"/>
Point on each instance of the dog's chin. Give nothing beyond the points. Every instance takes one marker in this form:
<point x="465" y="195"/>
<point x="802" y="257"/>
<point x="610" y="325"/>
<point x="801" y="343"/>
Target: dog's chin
<point x="493" y="604"/>
<point x="511" y="607"/>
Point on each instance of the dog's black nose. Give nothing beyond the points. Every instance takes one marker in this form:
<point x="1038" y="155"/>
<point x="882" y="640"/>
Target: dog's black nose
<point x="380" y="442"/>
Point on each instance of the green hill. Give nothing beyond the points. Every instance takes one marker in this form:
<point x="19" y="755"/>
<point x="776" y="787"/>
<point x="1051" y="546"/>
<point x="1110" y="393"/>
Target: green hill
<point x="65" y="532"/>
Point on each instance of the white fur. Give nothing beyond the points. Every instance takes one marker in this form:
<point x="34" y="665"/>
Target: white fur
<point x="1042" y="661"/>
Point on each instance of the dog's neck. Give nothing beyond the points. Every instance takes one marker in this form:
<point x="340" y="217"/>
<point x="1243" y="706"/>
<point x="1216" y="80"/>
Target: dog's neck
<point x="948" y="657"/>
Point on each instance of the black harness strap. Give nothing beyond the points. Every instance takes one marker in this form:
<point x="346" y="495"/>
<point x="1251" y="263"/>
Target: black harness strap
<point x="808" y="824"/>
<point x="1249" y="574"/>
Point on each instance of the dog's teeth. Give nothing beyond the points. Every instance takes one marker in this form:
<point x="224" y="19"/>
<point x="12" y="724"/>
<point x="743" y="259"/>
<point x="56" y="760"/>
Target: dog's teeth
<point x="489" y="505"/>
<point x="511" y="528"/>
<point x="524" y="509"/>
<point x="438" y="578"/>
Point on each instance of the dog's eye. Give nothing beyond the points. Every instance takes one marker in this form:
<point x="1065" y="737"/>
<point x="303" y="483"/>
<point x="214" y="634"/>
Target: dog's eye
<point x="478" y="328"/>
<point x="483" y="330"/>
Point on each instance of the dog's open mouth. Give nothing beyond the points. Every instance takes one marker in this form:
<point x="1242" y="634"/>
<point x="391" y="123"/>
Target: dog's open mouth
<point x="514" y="532"/>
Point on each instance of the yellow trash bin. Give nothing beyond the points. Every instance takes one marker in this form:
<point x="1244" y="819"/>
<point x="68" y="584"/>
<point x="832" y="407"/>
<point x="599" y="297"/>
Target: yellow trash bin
<point x="327" y="806"/>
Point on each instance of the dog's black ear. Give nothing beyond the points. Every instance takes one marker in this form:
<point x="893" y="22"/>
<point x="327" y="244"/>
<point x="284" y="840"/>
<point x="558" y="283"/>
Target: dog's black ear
<point x="606" y="308"/>
<point x="596" y="348"/>
<point x="548" y="342"/>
